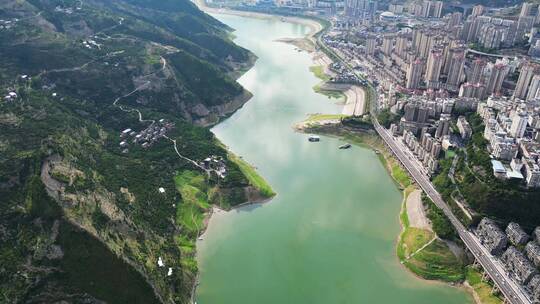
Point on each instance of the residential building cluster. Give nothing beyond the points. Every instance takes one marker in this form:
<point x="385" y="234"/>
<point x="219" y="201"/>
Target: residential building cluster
<point x="344" y="75"/>
<point x="427" y="150"/>
<point x="491" y="236"/>
<point x="426" y="9"/>
<point x="90" y="44"/>
<point x="8" y="24"/>
<point x="512" y="128"/>
<point x="215" y="164"/>
<point x="67" y="10"/>
<point x="518" y="252"/>
<point x="490" y="33"/>
<point x="145" y="138"/>
<point x="360" y="9"/>
<point x="10" y="96"/>
<point x="425" y="127"/>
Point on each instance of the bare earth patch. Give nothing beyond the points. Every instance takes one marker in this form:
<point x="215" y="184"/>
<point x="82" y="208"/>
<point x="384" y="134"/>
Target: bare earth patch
<point x="416" y="212"/>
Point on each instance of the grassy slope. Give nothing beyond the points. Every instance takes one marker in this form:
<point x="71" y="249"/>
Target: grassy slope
<point x="254" y="178"/>
<point x="434" y="262"/>
<point x="193" y="188"/>
<point x="196" y="199"/>
<point x="190" y="214"/>
<point x="399" y="174"/>
<point x="482" y="289"/>
<point x="329" y="93"/>
<point x="318" y="71"/>
<point x="437" y="262"/>
<point x="319" y="117"/>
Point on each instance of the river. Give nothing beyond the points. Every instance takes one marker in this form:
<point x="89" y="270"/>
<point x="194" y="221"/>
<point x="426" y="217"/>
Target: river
<point x="329" y="235"/>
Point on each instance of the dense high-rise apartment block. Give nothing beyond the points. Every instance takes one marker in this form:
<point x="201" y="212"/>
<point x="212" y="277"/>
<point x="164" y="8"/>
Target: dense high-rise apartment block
<point x="371" y="44"/>
<point x="360" y="8"/>
<point x="455" y="72"/>
<point x="433" y="68"/>
<point x="401" y="47"/>
<point x="388" y="44"/>
<point x="414" y="74"/>
<point x="477" y="71"/>
<point x="497" y="73"/>
<point x="477" y="10"/>
<point x="534" y="88"/>
<point x="519" y="124"/>
<point x="525" y="76"/>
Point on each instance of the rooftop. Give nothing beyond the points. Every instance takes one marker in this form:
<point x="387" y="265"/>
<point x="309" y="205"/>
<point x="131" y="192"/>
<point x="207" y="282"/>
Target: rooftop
<point x="498" y="167"/>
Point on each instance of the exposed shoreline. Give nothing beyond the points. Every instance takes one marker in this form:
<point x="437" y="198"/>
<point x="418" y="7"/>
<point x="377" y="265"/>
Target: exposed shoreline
<point x="416" y="212"/>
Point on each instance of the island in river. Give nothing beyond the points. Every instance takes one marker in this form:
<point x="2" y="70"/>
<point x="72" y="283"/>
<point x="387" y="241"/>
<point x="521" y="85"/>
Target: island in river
<point x="329" y="235"/>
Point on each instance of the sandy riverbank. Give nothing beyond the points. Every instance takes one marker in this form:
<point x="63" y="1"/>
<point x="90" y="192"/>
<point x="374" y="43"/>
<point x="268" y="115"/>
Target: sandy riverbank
<point x="415" y="211"/>
<point x="355" y="105"/>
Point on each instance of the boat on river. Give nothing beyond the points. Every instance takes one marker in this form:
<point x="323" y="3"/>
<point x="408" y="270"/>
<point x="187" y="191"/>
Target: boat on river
<point x="314" y="138"/>
<point x="345" y="146"/>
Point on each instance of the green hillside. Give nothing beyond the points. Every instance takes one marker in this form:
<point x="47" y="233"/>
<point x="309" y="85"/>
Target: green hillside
<point x="86" y="212"/>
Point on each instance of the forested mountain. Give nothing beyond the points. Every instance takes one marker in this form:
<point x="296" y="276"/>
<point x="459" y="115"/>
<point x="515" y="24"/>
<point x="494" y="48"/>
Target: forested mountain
<point x="102" y="108"/>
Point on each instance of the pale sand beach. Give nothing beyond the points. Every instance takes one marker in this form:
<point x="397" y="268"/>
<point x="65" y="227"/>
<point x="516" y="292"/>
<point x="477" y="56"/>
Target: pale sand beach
<point x="415" y="211"/>
<point x="355" y="105"/>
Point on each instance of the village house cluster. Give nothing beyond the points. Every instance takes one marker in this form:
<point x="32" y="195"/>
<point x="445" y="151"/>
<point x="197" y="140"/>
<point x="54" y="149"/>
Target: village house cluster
<point x="145" y="138"/>
<point x="10" y="96"/>
<point x="10" y="93"/>
<point x="66" y="10"/>
<point x="215" y="164"/>
<point x="90" y="44"/>
<point x="8" y="24"/>
<point x="518" y="252"/>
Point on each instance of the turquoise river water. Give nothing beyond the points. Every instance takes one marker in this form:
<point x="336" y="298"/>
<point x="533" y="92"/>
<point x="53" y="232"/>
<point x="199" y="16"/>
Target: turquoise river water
<point x="329" y="235"/>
